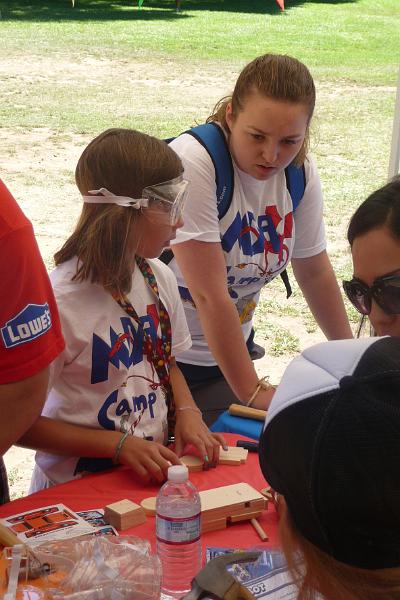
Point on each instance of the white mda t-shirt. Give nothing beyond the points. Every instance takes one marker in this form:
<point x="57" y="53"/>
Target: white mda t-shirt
<point x="259" y="233"/>
<point x="102" y="379"/>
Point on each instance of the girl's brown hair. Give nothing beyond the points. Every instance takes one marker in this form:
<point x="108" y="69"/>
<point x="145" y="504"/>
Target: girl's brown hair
<point x="275" y="76"/>
<point x="314" y="571"/>
<point x="124" y="161"/>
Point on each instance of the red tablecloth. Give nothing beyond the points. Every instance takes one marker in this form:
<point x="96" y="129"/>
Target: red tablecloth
<point x="96" y="491"/>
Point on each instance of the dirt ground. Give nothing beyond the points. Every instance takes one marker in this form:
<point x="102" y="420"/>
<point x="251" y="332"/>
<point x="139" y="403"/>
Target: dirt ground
<point x="37" y="164"/>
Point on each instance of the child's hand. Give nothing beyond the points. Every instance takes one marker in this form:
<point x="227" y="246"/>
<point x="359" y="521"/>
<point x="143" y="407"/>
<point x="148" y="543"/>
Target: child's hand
<point x="191" y="429"/>
<point x="149" y="460"/>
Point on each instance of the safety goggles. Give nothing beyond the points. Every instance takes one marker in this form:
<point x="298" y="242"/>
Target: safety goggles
<point x="385" y="291"/>
<point x="167" y="197"/>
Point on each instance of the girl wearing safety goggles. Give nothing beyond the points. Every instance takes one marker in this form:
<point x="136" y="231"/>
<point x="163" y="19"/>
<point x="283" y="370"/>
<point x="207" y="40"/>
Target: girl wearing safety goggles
<point x="116" y="393"/>
<point x="374" y="237"/>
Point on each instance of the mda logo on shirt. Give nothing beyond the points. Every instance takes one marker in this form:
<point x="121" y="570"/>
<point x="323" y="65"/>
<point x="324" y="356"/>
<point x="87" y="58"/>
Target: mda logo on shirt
<point x="33" y="321"/>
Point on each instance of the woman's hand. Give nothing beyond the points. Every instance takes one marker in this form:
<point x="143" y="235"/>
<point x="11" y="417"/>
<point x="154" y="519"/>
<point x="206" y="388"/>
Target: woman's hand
<point x="149" y="460"/>
<point x="191" y="429"/>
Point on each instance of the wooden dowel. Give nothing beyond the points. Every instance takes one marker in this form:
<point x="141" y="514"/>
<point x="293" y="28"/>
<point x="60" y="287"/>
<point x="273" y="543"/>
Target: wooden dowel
<point x="246" y="411"/>
<point x="262" y="535"/>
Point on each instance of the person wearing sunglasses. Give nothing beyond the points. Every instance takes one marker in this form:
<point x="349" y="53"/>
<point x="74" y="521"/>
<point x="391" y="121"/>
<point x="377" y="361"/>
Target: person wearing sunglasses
<point x="374" y="237"/>
<point x="116" y="393"/>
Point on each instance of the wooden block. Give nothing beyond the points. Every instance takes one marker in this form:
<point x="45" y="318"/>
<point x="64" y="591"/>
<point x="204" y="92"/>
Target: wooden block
<point x="244" y="516"/>
<point x="240" y="453"/>
<point x="193" y="463"/>
<point x="124" y="514"/>
<point x="237" y="502"/>
<point x="233" y="456"/>
<point x="233" y="462"/>
<point x="229" y="495"/>
<point x="213" y="525"/>
<point x="149" y="505"/>
<point x="236" y="450"/>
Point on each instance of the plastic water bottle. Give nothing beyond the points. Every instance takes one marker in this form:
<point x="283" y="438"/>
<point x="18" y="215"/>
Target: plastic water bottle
<point x="178" y="526"/>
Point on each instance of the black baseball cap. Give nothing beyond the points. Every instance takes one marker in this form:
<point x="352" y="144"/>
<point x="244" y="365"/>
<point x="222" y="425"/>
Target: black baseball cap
<point x="331" y="447"/>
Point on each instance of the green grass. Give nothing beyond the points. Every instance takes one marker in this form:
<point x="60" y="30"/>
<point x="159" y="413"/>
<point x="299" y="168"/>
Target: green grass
<point x="337" y="39"/>
<point x="352" y="42"/>
<point x="282" y="341"/>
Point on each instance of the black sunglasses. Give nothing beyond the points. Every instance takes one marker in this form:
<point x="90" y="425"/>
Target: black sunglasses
<point x="385" y="291"/>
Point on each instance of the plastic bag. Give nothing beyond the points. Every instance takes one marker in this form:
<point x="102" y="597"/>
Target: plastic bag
<point x="105" y="568"/>
<point x="79" y="548"/>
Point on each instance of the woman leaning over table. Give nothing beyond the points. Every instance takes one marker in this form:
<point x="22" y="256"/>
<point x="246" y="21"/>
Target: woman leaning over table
<point x="222" y="265"/>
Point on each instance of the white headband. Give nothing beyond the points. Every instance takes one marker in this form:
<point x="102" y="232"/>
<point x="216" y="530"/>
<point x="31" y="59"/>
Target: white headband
<point x="108" y="197"/>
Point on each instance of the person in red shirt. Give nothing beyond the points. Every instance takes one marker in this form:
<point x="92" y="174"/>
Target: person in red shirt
<point x="30" y="331"/>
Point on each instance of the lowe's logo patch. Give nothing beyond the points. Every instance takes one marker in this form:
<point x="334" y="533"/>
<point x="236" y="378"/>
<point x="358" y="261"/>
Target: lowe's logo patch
<point x="34" y="320"/>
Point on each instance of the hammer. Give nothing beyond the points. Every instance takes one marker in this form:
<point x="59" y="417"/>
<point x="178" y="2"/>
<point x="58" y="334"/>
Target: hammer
<point x="215" y="581"/>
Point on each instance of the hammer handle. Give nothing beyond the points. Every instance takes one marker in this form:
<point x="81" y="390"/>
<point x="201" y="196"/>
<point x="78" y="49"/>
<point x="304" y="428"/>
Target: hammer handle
<point x="238" y="592"/>
<point x="7" y="537"/>
<point x="239" y="410"/>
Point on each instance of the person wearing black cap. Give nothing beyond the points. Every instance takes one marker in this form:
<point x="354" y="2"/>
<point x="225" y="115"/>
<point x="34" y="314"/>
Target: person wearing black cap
<point x="331" y="449"/>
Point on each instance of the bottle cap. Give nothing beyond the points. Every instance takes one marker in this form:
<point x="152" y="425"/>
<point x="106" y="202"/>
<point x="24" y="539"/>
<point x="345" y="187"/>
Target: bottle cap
<point x="178" y="473"/>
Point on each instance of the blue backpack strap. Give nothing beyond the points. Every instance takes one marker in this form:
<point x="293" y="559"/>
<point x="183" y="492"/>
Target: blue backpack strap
<point x="295" y="183"/>
<point x="212" y="138"/>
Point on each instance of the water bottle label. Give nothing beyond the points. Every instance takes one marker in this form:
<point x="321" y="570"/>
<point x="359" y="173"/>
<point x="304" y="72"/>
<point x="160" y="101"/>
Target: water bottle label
<point x="178" y="530"/>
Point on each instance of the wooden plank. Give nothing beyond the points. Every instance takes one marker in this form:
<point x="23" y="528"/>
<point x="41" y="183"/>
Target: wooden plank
<point x="244" y="516"/>
<point x="238" y="501"/>
<point x="213" y="525"/>
<point x="228" y="495"/>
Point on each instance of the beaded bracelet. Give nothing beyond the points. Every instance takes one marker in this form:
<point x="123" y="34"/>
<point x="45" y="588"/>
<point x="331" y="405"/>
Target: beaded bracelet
<point x="262" y="384"/>
<point x="189" y="408"/>
<point x="119" y="447"/>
